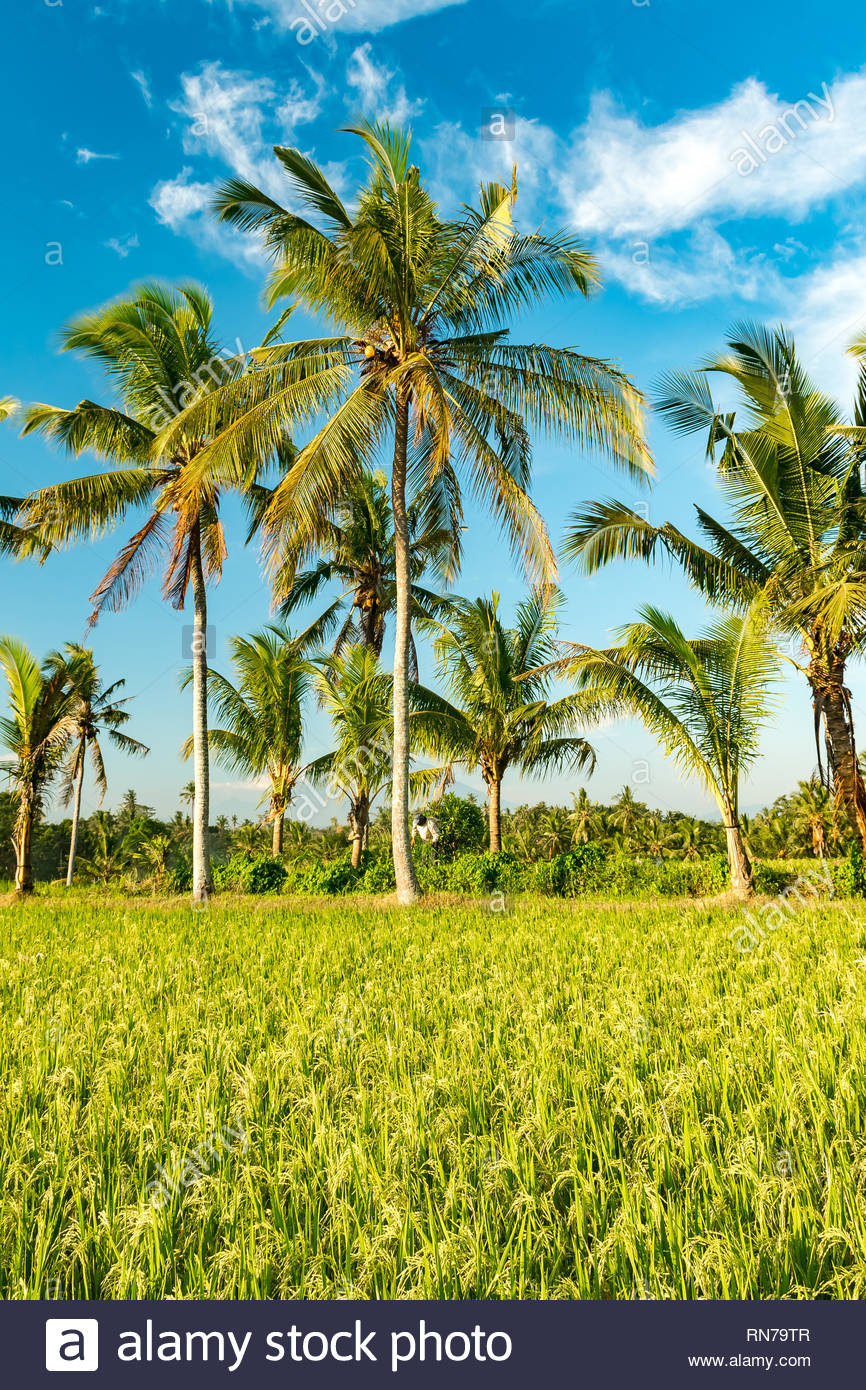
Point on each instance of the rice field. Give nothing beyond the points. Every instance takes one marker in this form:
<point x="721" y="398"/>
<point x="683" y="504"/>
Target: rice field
<point x="326" y="1100"/>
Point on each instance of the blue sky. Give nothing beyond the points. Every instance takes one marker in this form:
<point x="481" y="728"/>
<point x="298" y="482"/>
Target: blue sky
<point x="714" y="161"/>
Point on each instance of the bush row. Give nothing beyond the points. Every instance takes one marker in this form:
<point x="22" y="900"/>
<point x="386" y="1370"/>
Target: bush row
<point x="585" y="871"/>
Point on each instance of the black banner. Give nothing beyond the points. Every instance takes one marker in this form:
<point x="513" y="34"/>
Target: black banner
<point x="502" y="1346"/>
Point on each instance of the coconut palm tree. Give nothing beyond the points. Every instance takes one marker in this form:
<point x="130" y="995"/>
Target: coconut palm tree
<point x="96" y="711"/>
<point x="109" y="855"/>
<point x="419" y="361"/>
<point x="357" y="695"/>
<point x="812" y="816"/>
<point x="357" y="553"/>
<point x="627" y="813"/>
<point x="587" y="819"/>
<point x="503" y="717"/>
<point x="37" y="731"/>
<point x="705" y="701"/>
<point x="696" y="838"/>
<point x="657" y="838"/>
<point x="796" y="544"/>
<point x="158" y="350"/>
<point x="261" y="716"/>
<point x="557" y="831"/>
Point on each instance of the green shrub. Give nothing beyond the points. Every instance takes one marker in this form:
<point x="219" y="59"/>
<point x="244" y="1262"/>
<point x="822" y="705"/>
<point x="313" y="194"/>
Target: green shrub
<point x="378" y="874"/>
<point x="850" y="874"/>
<point x="328" y="878"/>
<point x="462" y="826"/>
<point x="179" y="879"/>
<point x="567" y="875"/>
<point x="265" y="875"/>
<point x="261" y="874"/>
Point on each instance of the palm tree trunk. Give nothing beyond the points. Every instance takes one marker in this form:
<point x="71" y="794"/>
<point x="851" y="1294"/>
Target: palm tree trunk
<point x="739" y="864"/>
<point x="404" y="869"/>
<point x="76" y="814"/>
<point x="494" y="788"/>
<point x="202" y="881"/>
<point x="359" y="818"/>
<point x="22" y="841"/>
<point x="832" y="703"/>
<point x="277" y="842"/>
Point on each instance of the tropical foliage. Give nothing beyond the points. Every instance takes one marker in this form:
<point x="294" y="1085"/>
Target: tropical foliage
<point x="705" y="701"/>
<point x="500" y="716"/>
<point x="419" y="360"/>
<point x="795" y="548"/>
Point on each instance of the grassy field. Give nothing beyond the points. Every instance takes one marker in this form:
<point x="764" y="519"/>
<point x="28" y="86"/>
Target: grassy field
<point x="567" y="1101"/>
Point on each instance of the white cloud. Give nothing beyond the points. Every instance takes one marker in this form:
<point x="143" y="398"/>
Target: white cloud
<point x="226" y="111"/>
<point x="183" y="205"/>
<point x="752" y="154"/>
<point x="650" y="199"/>
<point x="177" y="200"/>
<point x="702" y="266"/>
<point x="234" y="118"/>
<point x="85" y="156"/>
<point x="141" y="81"/>
<point x="827" y="310"/>
<point x="123" y="247"/>
<point x="350" y="16"/>
<point x="374" y="85"/>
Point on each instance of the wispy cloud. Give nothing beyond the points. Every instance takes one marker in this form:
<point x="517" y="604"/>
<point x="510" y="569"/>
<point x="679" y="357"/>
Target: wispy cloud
<point x="143" y="84"/>
<point x="351" y="16"/>
<point x="85" y="156"/>
<point x="373" y="86"/>
<point x="232" y="118"/>
<point x="123" y="247"/>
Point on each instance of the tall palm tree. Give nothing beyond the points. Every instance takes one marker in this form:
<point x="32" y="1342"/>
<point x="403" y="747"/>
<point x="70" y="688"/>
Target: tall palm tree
<point x="37" y="730"/>
<point x="796" y="545"/>
<point x="503" y="717"/>
<point x="158" y="350"/>
<point x="357" y="695"/>
<point x="704" y="700"/>
<point x="96" y="711"/>
<point x="261" y="716"/>
<point x="358" y="553"/>
<point x="419" y="359"/>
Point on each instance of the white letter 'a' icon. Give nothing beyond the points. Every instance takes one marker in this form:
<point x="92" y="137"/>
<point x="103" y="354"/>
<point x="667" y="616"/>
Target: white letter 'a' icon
<point x="71" y="1344"/>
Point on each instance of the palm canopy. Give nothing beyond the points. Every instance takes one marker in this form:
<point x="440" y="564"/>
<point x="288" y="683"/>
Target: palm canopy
<point x="357" y="553"/>
<point x="97" y="710"/>
<point x="157" y="350"/>
<point x="420" y="305"/>
<point x="260" y="717"/>
<point x="705" y="700"/>
<point x="795" y="547"/>
<point x="36" y="731"/>
<point x="499" y="678"/>
<point x="14" y="539"/>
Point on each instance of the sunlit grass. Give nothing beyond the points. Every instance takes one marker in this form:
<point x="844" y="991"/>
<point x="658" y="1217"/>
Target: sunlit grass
<point x="565" y="1102"/>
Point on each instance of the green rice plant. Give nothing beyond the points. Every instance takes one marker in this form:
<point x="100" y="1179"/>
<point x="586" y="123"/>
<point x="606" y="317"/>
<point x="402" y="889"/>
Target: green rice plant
<point x="540" y="1099"/>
